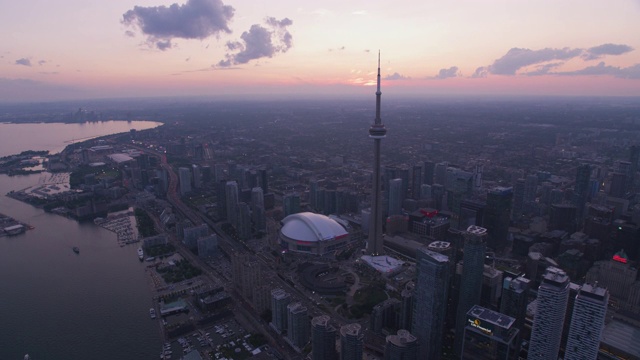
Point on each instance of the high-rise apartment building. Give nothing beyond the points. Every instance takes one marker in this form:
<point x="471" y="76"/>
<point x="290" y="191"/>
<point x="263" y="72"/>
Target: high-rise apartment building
<point x="280" y="299"/>
<point x="323" y="339"/>
<point x="430" y="302"/>
<point x="351" y="342"/>
<point x="546" y="332"/>
<point x="298" y="326"/>
<point x="402" y="346"/>
<point x="587" y="323"/>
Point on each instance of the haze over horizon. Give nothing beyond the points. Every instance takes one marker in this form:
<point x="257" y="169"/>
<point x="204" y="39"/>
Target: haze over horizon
<point x="94" y="49"/>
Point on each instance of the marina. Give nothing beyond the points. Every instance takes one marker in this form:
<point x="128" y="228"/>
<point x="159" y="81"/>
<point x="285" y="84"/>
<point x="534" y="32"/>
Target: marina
<point x="123" y="223"/>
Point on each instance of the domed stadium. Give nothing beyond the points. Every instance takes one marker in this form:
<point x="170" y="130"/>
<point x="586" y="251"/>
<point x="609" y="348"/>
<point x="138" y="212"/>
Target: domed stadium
<point x="311" y="233"/>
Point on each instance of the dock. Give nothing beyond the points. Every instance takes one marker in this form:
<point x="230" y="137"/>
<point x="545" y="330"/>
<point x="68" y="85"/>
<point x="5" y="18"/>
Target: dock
<point x="10" y="226"/>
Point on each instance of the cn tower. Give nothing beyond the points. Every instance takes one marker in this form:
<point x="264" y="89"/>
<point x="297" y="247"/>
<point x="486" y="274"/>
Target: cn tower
<point x="377" y="132"/>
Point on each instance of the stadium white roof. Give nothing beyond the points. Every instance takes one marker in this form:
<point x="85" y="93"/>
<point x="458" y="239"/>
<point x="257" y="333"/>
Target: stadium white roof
<point x="308" y="226"/>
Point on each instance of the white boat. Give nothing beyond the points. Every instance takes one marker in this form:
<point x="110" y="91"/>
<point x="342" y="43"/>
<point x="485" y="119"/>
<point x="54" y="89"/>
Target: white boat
<point x="140" y="254"/>
<point x="152" y="313"/>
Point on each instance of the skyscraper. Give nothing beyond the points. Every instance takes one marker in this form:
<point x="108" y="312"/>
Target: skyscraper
<point x="518" y="199"/>
<point x="231" y="198"/>
<point x="257" y="209"/>
<point x="395" y="197"/>
<point x="546" y="332"/>
<point x="587" y="323"/>
<point x="323" y="339"/>
<point x="634" y="158"/>
<point x="429" y="169"/>
<point x="515" y="297"/>
<point x="377" y="132"/>
<point x="581" y="191"/>
<point x="184" y="174"/>
<point x="489" y="335"/>
<point x="416" y="181"/>
<point x="291" y="204"/>
<point x="471" y="281"/>
<point x="496" y="217"/>
<point x="351" y="341"/>
<point x="430" y="302"/>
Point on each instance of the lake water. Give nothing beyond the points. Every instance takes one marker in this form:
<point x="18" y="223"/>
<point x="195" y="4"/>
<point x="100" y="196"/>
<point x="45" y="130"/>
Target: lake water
<point x="54" y="137"/>
<point x="55" y="304"/>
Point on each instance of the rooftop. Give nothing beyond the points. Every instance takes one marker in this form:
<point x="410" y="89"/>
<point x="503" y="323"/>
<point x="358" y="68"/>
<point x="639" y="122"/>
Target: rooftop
<point x="308" y="226"/>
<point x="384" y="264"/>
<point x="492" y="317"/>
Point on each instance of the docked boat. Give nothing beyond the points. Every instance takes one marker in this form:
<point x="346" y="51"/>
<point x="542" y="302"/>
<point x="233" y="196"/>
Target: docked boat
<point x="76" y="250"/>
<point x="140" y="254"/>
<point x="152" y="313"/>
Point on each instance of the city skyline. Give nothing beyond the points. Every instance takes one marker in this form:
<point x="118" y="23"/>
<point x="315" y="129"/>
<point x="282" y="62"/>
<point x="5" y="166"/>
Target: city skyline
<point x="75" y="49"/>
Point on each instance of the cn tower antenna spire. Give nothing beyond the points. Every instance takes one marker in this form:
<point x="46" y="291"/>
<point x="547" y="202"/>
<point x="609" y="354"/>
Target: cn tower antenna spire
<point x="378" y="72"/>
<point x="377" y="132"/>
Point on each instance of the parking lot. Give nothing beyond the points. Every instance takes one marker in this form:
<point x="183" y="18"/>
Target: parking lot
<point x="225" y="339"/>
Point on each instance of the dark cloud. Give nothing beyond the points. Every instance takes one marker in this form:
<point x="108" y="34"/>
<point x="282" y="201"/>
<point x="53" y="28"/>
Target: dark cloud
<point x="480" y="72"/>
<point x="23" y="61"/>
<point x="396" y="76"/>
<point x="342" y="48"/>
<point x="130" y="33"/>
<point x="196" y="19"/>
<point x="517" y="58"/>
<point x="259" y="42"/>
<point x="447" y="73"/>
<point x="42" y="62"/>
<point x="631" y="72"/>
<point x="164" y="44"/>
<point x="544" y="69"/>
<point x="599" y="51"/>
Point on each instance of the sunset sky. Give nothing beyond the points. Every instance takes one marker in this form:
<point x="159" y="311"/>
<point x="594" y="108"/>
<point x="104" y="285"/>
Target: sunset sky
<point x="67" y="49"/>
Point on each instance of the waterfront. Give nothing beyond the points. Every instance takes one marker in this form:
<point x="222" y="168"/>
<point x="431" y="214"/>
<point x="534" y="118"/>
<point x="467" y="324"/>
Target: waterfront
<point x="56" y="136"/>
<point x="60" y="305"/>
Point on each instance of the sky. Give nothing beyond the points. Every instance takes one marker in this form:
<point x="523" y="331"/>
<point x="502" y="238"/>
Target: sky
<point x="74" y="49"/>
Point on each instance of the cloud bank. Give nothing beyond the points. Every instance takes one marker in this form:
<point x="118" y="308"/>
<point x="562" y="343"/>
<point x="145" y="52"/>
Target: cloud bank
<point x="631" y="72"/>
<point x="447" y="73"/>
<point x="396" y="76"/>
<point x="259" y="42"/>
<point x="196" y="19"/>
<point x="517" y="58"/>
<point x="548" y="59"/>
<point x="599" y="51"/>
